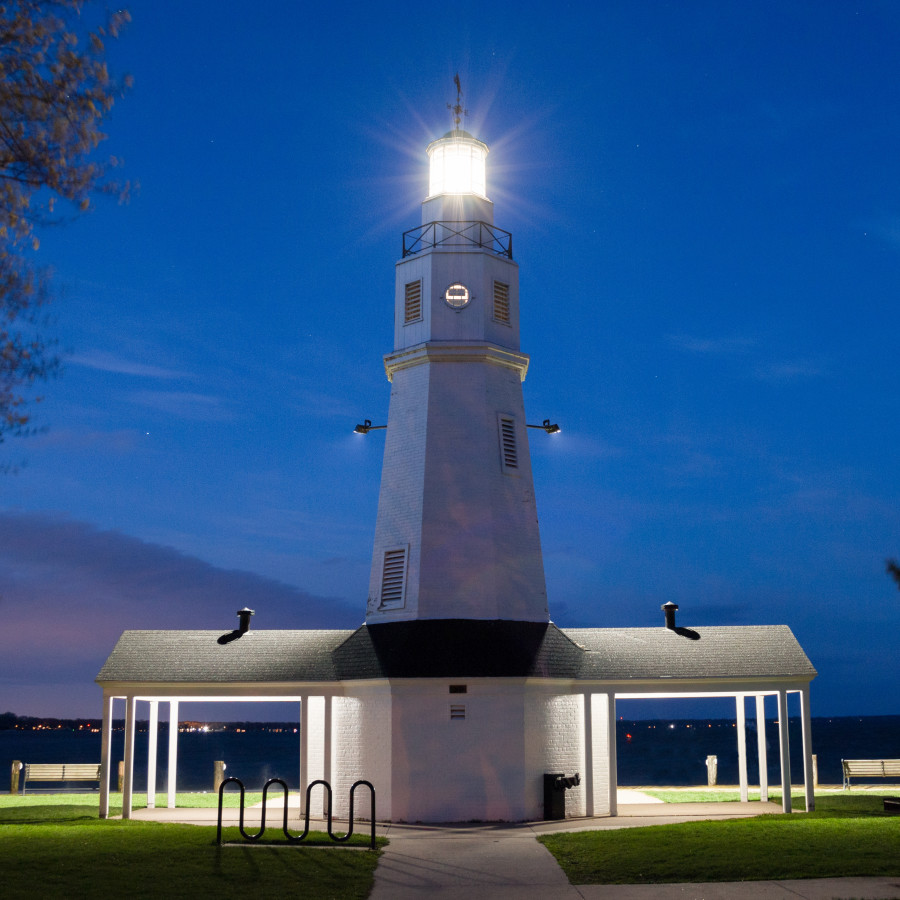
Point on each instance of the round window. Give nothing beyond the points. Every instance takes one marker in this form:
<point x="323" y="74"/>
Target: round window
<point x="457" y="296"/>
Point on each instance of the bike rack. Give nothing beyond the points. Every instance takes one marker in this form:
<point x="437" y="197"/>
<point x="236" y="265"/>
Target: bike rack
<point x="295" y="839"/>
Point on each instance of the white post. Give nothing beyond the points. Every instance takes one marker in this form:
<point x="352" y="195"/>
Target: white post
<point x="613" y="773"/>
<point x="784" y="746"/>
<point x="152" y="726"/>
<point x="806" y="730"/>
<point x="173" y="753"/>
<point x="588" y="757"/>
<point x="304" y="751"/>
<point x="742" y="746"/>
<point x="761" y="748"/>
<point x="326" y="752"/>
<point x="128" y="787"/>
<point x="105" y="754"/>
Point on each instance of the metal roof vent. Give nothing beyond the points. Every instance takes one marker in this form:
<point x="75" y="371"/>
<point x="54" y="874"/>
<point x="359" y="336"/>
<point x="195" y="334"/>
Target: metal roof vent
<point x="244" y="619"/>
<point x="669" y="609"/>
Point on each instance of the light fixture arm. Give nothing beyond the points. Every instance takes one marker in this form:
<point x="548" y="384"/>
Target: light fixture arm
<point x="366" y="427"/>
<point x="546" y="426"/>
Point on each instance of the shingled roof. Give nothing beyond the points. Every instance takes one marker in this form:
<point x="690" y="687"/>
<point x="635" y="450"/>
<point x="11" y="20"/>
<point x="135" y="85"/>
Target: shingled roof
<point x="746" y="651"/>
<point x="456" y="648"/>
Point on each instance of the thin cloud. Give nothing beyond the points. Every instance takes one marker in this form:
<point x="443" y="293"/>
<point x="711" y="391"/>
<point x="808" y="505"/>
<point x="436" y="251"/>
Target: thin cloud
<point x="185" y="405"/>
<point x="69" y="589"/>
<point x="118" y="441"/>
<point x="789" y="371"/>
<point x="711" y="346"/>
<point x="886" y="229"/>
<point x="107" y="362"/>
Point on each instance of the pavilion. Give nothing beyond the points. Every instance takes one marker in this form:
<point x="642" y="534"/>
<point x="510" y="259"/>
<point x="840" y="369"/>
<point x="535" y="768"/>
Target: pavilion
<point x="458" y="693"/>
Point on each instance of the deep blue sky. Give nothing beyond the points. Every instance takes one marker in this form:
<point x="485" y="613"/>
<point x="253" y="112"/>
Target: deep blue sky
<point x="706" y="212"/>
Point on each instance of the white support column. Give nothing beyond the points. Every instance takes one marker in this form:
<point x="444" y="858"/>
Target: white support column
<point x="105" y="754"/>
<point x="806" y="726"/>
<point x="326" y="751"/>
<point x="761" y="748"/>
<point x="173" y="753"/>
<point x="128" y="787"/>
<point x="588" y="756"/>
<point x="304" y="751"/>
<point x="613" y="773"/>
<point x="784" y="745"/>
<point x="742" y="746"/>
<point x="152" y="728"/>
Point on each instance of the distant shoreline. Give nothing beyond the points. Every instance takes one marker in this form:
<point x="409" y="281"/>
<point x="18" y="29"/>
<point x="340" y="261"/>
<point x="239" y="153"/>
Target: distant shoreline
<point x="12" y="722"/>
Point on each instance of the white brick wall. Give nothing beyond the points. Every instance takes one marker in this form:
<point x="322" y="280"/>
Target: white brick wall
<point x="600" y="733"/>
<point x="362" y="748"/>
<point x="555" y="737"/>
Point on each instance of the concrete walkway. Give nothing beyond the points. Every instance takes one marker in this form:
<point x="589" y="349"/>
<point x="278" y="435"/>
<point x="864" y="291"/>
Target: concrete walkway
<point x="502" y="862"/>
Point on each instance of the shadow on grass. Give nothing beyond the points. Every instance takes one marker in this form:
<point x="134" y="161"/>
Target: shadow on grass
<point x="51" y="814"/>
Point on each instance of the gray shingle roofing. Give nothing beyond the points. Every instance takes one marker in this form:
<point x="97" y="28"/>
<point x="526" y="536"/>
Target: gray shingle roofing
<point x="197" y="656"/>
<point x="457" y="648"/>
<point x="747" y="651"/>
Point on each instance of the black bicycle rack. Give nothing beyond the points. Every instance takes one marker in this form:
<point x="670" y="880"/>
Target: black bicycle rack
<point x="292" y="838"/>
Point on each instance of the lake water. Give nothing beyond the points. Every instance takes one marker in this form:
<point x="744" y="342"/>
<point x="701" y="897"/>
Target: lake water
<point x="650" y="752"/>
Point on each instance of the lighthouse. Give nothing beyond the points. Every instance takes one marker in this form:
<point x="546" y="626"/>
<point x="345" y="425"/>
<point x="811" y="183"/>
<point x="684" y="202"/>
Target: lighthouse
<point x="456" y="534"/>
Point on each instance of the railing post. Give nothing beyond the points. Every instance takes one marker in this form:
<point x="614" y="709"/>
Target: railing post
<point x="218" y="773"/>
<point x="14" y="776"/>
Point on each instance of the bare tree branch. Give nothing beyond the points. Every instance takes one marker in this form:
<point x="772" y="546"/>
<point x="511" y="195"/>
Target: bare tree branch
<point x="55" y="90"/>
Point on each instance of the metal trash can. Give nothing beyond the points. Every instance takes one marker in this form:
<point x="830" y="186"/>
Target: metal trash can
<point x="554" y="797"/>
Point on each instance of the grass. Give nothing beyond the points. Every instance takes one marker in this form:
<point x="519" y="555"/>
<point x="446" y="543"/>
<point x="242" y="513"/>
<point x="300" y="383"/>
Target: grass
<point x="183" y="801"/>
<point x="699" y="796"/>
<point x="54" y="846"/>
<point x="848" y="834"/>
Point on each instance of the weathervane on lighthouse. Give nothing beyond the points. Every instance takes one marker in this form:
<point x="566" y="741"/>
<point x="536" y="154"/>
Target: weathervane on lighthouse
<point x="457" y="108"/>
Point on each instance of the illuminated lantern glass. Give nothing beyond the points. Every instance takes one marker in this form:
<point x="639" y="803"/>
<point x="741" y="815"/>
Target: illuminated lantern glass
<point x="457" y="165"/>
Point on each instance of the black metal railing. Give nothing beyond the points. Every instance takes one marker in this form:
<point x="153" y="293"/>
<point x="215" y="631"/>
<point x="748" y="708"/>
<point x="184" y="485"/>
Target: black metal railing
<point x="292" y="838"/>
<point x="479" y="235"/>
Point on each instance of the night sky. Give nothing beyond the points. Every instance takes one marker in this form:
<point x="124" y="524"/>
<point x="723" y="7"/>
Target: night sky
<point x="705" y="208"/>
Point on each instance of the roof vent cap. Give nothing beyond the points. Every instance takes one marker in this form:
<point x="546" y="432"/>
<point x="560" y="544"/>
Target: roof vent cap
<point x="669" y="609"/>
<point x="244" y="619"/>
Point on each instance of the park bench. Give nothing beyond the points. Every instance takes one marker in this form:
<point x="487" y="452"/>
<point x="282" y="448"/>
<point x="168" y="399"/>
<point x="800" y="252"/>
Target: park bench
<point x="60" y="772"/>
<point x="870" y="768"/>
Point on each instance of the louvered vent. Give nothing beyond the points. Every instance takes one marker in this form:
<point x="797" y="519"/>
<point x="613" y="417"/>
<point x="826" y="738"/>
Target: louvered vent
<point x="393" y="578"/>
<point x="501" y="302"/>
<point x="457" y="710"/>
<point x="413" y="304"/>
<point x="509" y="454"/>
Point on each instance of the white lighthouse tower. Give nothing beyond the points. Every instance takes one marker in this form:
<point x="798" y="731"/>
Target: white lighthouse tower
<point x="457" y="533"/>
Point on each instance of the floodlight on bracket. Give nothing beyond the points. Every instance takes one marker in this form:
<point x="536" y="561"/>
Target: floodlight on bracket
<point x="546" y="426"/>
<point x="366" y="427"/>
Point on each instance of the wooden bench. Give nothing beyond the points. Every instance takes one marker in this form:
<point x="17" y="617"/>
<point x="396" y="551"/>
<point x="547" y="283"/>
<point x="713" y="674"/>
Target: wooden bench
<point x="870" y="768"/>
<point x="60" y="772"/>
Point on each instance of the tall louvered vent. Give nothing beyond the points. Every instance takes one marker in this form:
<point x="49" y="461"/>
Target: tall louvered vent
<point x="508" y="452"/>
<point x="393" y="578"/>
<point x="501" y="302"/>
<point x="413" y="304"/>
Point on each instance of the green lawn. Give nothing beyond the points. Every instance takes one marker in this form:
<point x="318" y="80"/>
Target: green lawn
<point x="55" y="846"/>
<point x="849" y="834"/>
